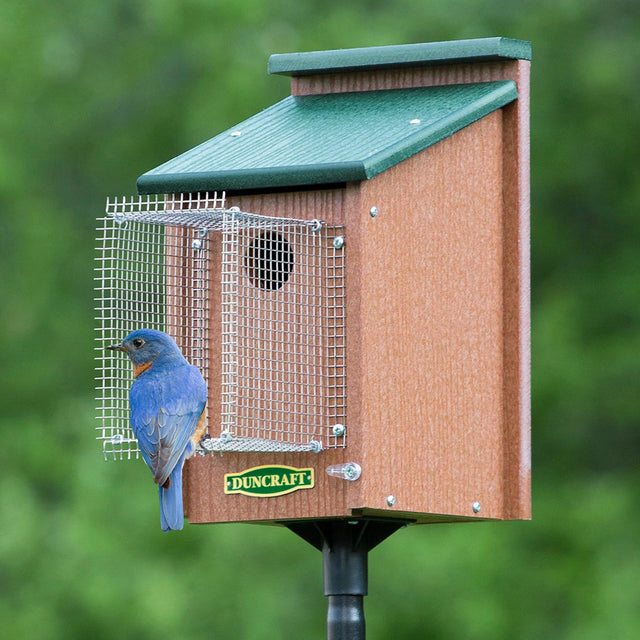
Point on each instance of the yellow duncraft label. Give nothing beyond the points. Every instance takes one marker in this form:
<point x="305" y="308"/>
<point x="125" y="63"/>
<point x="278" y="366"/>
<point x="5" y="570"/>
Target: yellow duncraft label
<point x="268" y="481"/>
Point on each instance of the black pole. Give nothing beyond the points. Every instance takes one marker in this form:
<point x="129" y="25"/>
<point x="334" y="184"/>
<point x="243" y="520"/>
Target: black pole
<point x="345" y="545"/>
<point x="345" y="574"/>
<point x="345" y="618"/>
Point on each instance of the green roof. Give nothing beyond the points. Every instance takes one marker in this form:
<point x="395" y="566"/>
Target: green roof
<point x="328" y="138"/>
<point x="405" y="55"/>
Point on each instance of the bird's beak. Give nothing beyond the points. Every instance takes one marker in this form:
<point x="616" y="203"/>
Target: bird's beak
<point x="116" y="347"/>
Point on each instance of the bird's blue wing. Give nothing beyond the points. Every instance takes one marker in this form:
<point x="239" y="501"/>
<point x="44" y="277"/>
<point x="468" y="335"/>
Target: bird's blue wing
<point x="165" y="408"/>
<point x="144" y="401"/>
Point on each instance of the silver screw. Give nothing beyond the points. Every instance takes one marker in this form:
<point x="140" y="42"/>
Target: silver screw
<point x="196" y="244"/>
<point x="476" y="506"/>
<point x="338" y="430"/>
<point x="373" y="212"/>
<point x="391" y="500"/>
<point x="352" y="471"/>
<point x="338" y="242"/>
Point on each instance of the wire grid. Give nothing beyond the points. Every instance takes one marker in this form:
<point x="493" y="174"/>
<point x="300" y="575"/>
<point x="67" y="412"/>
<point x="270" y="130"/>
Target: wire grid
<point x="283" y="324"/>
<point x="152" y="272"/>
<point x="283" y="336"/>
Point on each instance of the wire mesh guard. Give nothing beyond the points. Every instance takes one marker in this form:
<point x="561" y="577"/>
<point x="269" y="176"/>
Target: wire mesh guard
<point x="279" y="326"/>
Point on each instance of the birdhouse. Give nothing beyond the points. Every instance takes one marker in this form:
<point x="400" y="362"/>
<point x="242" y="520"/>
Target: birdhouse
<point x="349" y="269"/>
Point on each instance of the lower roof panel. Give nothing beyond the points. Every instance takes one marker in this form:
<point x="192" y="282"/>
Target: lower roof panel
<point x="329" y="138"/>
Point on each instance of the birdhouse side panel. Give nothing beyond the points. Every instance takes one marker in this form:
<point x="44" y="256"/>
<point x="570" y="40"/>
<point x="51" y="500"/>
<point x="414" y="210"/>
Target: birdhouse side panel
<point x="517" y="370"/>
<point x="517" y="294"/>
<point x="432" y="328"/>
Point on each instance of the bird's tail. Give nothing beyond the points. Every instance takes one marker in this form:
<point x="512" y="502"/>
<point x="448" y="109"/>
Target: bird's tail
<point x="171" y="513"/>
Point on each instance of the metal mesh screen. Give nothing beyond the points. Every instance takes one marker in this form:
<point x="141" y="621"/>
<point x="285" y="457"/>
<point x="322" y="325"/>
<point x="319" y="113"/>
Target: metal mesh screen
<point x="283" y="351"/>
<point x="152" y="271"/>
<point x="282" y="318"/>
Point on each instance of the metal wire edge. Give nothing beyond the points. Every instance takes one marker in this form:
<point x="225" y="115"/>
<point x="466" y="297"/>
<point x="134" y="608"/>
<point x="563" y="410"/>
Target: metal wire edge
<point x="193" y="213"/>
<point x="257" y="445"/>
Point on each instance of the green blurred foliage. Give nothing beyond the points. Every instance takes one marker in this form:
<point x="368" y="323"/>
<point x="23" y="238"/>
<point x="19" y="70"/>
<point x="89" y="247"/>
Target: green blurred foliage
<point x="96" y="93"/>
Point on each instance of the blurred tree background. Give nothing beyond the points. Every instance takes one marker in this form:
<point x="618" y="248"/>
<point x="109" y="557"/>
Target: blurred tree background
<point x="95" y="93"/>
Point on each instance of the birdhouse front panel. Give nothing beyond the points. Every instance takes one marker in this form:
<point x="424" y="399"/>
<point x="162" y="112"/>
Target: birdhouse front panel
<point x="290" y="344"/>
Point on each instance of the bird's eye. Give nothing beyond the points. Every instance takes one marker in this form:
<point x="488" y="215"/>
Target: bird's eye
<point x="138" y="342"/>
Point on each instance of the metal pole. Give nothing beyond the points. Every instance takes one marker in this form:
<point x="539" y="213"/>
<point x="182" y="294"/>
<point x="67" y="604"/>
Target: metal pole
<point x="345" y="618"/>
<point x="345" y="545"/>
<point x="345" y="574"/>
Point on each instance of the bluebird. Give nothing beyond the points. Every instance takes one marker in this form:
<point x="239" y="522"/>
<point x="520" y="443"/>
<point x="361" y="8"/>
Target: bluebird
<point x="167" y="400"/>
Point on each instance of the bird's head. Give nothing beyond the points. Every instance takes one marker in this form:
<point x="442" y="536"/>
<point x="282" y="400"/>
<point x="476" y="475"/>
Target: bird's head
<point x="144" y="346"/>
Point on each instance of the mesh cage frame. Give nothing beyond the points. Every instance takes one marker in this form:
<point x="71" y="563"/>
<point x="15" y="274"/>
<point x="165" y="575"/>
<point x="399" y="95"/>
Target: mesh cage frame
<point x="154" y="270"/>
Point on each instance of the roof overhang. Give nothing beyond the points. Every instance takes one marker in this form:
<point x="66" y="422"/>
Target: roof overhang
<point x="328" y="138"/>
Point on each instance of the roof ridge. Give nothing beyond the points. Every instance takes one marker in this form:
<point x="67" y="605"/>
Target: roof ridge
<point x="396" y="56"/>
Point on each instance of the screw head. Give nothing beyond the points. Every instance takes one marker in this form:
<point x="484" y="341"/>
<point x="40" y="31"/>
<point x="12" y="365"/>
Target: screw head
<point x="352" y="471"/>
<point x="373" y="212"/>
<point x="391" y="500"/>
<point x="338" y="430"/>
<point x="476" y="506"/>
<point x="196" y="244"/>
<point x="338" y="242"/>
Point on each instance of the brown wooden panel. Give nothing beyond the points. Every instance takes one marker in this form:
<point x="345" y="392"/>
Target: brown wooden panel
<point x="191" y="488"/>
<point x="405" y="78"/>
<point x="331" y="497"/>
<point x="205" y="499"/>
<point x="431" y="322"/>
<point x="517" y="325"/>
<point x="324" y="204"/>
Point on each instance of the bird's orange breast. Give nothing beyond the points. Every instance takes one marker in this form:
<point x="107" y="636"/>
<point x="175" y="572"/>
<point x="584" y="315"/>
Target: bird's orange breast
<point x="201" y="427"/>
<point x="139" y="368"/>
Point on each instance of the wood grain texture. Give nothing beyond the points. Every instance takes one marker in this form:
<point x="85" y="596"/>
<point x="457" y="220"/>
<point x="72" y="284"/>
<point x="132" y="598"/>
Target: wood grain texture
<point x="190" y="485"/>
<point x="405" y="78"/>
<point x="431" y="322"/>
<point x="517" y="277"/>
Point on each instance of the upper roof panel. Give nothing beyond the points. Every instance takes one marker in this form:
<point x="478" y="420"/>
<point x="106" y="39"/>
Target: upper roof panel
<point x="431" y="53"/>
